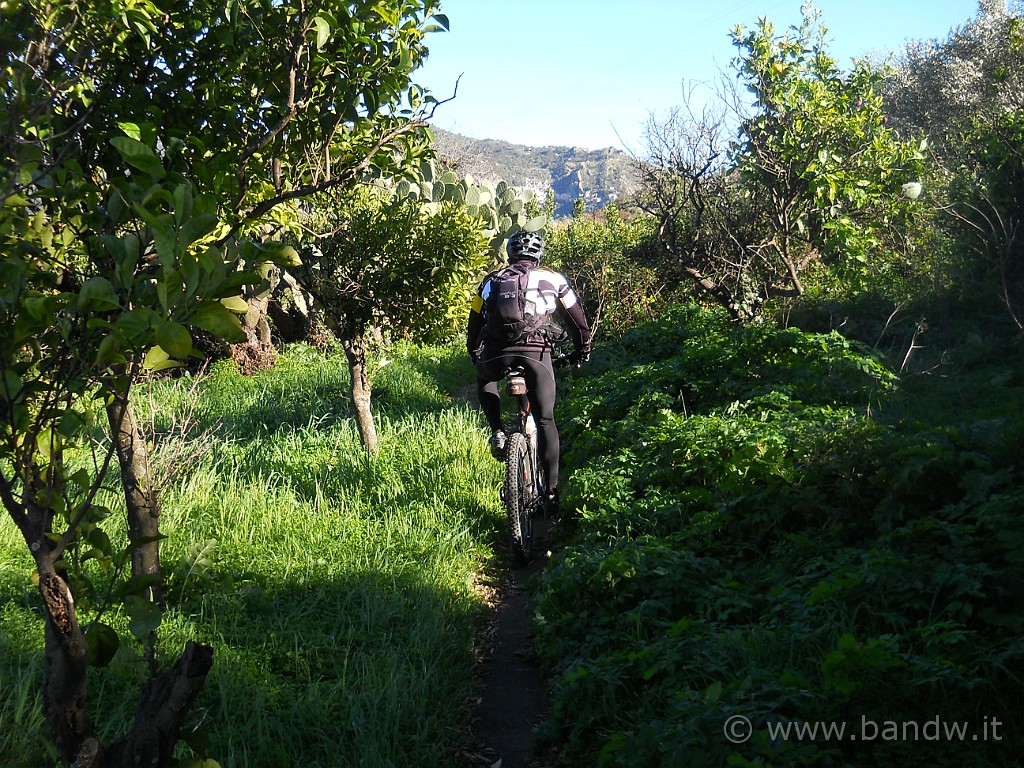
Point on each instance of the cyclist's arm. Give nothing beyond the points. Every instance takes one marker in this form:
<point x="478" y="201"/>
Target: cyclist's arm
<point x="575" y="320"/>
<point x="475" y="324"/>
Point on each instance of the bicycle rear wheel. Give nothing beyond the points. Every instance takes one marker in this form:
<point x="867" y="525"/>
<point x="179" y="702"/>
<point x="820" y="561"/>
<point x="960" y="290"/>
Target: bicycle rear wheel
<point x="520" y="495"/>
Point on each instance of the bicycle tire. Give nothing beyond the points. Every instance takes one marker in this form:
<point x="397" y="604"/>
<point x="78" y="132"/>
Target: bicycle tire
<point x="519" y="492"/>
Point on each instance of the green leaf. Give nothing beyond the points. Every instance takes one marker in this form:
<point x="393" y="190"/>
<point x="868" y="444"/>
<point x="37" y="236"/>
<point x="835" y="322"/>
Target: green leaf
<point x="169" y="290"/>
<point x="98" y="539"/>
<point x="15" y="201"/>
<point x="97" y="295"/>
<point x="109" y="350"/>
<point x="12" y="280"/>
<point x="323" y="31"/>
<point x="136" y="324"/>
<point x="131" y="129"/>
<point x="158" y="360"/>
<point x="41" y="308"/>
<point x="286" y="256"/>
<point x="101" y="643"/>
<point x="536" y="224"/>
<point x="174" y="339"/>
<point x="139" y="156"/>
<point x="12" y="386"/>
<point x="71" y="423"/>
<point x="214" y="317"/>
<point x="144" y="616"/>
<point x="389" y="15"/>
<point x="125" y="252"/>
<point x="713" y="693"/>
<point x="182" y="203"/>
<point x="197" y="227"/>
<point x="236" y="304"/>
<point x="274" y="252"/>
<point x="231" y="284"/>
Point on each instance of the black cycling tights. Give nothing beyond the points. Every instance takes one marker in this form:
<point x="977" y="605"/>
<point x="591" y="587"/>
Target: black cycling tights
<point x="540" y="380"/>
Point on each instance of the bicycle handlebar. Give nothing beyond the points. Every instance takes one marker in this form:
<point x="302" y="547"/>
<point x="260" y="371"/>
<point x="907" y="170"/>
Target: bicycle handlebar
<point x="573" y="358"/>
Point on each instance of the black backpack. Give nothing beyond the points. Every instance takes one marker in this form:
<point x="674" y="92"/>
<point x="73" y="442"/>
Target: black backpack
<point x="505" y="307"/>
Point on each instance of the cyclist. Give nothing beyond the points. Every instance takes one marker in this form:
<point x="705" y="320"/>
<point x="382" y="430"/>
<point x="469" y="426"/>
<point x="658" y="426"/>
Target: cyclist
<point x="548" y="295"/>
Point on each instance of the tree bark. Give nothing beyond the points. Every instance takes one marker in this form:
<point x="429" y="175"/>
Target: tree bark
<point x="257" y="353"/>
<point x="64" y="676"/>
<point x="164" y="702"/>
<point x="355" y="353"/>
<point x="140" y="496"/>
<point x="721" y="295"/>
<point x="289" y="310"/>
<point x="165" y="699"/>
<point x="143" y="507"/>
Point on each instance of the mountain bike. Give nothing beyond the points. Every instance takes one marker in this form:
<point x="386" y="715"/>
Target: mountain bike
<point x="521" y="491"/>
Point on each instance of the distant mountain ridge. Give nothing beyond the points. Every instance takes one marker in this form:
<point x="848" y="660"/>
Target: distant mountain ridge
<point x="597" y="177"/>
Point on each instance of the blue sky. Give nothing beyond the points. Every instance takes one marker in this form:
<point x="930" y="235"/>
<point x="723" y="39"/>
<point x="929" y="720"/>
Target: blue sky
<point x="589" y="73"/>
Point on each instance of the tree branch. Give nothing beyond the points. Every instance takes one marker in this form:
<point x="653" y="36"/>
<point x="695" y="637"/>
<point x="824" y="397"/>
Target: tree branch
<point x="351" y="173"/>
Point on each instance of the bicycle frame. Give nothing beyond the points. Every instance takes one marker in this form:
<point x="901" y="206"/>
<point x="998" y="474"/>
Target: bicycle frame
<point x="521" y="490"/>
<point x="516" y="388"/>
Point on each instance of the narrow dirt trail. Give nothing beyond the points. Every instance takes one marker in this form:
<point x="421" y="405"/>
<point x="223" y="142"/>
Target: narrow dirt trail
<point x="513" y="700"/>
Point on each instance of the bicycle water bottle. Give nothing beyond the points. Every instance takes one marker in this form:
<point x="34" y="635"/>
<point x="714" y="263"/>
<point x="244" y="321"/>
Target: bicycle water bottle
<point x="531" y="432"/>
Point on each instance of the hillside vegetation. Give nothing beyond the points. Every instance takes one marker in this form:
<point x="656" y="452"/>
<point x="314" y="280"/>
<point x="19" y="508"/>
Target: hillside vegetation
<point x="595" y="177"/>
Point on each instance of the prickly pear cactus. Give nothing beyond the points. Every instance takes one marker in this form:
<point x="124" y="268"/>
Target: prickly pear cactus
<point x="501" y="208"/>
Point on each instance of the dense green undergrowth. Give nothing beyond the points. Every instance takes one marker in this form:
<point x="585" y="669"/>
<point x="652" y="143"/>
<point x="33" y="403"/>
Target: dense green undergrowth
<point x="771" y="529"/>
<point x="337" y="591"/>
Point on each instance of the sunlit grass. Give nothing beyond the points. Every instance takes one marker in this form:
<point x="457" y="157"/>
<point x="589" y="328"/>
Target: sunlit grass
<point x="336" y="588"/>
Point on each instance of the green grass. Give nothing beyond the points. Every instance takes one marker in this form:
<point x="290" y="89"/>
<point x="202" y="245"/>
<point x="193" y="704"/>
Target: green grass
<point x="337" y="590"/>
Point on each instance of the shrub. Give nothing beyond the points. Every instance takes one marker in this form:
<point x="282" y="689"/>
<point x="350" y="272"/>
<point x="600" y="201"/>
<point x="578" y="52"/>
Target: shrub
<point x="765" y="529"/>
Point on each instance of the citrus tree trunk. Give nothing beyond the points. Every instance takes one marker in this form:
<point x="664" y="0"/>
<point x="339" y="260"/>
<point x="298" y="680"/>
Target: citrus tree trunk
<point x="65" y="651"/>
<point x="140" y="496"/>
<point x="355" y="353"/>
<point x="164" y="702"/>
<point x="257" y="353"/>
<point x="142" y="505"/>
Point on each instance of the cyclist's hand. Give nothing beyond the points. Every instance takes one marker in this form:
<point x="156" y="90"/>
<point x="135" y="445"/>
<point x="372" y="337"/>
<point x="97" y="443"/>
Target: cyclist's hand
<point x="579" y="357"/>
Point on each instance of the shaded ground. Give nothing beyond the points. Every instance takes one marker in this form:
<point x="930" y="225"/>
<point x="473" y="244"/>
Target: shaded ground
<point x="513" y="700"/>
